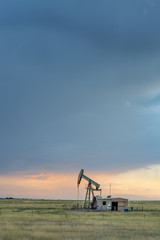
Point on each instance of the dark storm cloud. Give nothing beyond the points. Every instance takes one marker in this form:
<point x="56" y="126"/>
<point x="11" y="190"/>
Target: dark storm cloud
<point x="106" y="24"/>
<point x="73" y="81"/>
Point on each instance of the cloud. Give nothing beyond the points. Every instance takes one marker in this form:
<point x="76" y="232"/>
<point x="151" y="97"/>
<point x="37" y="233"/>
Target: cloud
<point x="149" y="101"/>
<point x="153" y="2"/>
<point x="103" y="30"/>
<point x="73" y="84"/>
<point x="141" y="183"/>
<point x="145" y="11"/>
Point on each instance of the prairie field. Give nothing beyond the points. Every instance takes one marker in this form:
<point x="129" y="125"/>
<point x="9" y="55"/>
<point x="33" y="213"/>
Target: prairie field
<point x="54" y="220"/>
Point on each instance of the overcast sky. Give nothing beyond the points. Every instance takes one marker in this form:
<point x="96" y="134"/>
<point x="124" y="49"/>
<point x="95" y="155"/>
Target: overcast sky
<point x="79" y="85"/>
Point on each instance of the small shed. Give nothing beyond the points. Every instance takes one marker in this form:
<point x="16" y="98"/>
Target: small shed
<point x="112" y="204"/>
<point x="104" y="204"/>
<point x="119" y="204"/>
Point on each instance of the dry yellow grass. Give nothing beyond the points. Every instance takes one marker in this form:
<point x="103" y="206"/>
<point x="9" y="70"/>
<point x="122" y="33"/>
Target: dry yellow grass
<point x="46" y="220"/>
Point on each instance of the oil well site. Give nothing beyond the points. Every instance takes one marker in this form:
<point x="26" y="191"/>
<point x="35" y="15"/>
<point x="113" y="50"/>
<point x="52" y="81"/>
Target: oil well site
<point x="93" y="217"/>
<point x="94" y="200"/>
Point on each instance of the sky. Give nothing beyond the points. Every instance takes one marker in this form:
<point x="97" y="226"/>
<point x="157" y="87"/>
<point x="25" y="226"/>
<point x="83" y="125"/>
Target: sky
<point x="79" y="88"/>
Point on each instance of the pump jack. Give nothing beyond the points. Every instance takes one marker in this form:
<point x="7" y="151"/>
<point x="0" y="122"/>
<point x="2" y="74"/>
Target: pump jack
<point x="89" y="190"/>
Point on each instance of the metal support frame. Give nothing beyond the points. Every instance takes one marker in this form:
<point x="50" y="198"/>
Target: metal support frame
<point x="89" y="196"/>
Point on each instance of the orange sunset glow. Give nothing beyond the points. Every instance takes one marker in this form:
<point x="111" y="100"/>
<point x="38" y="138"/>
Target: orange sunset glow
<point x="140" y="183"/>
